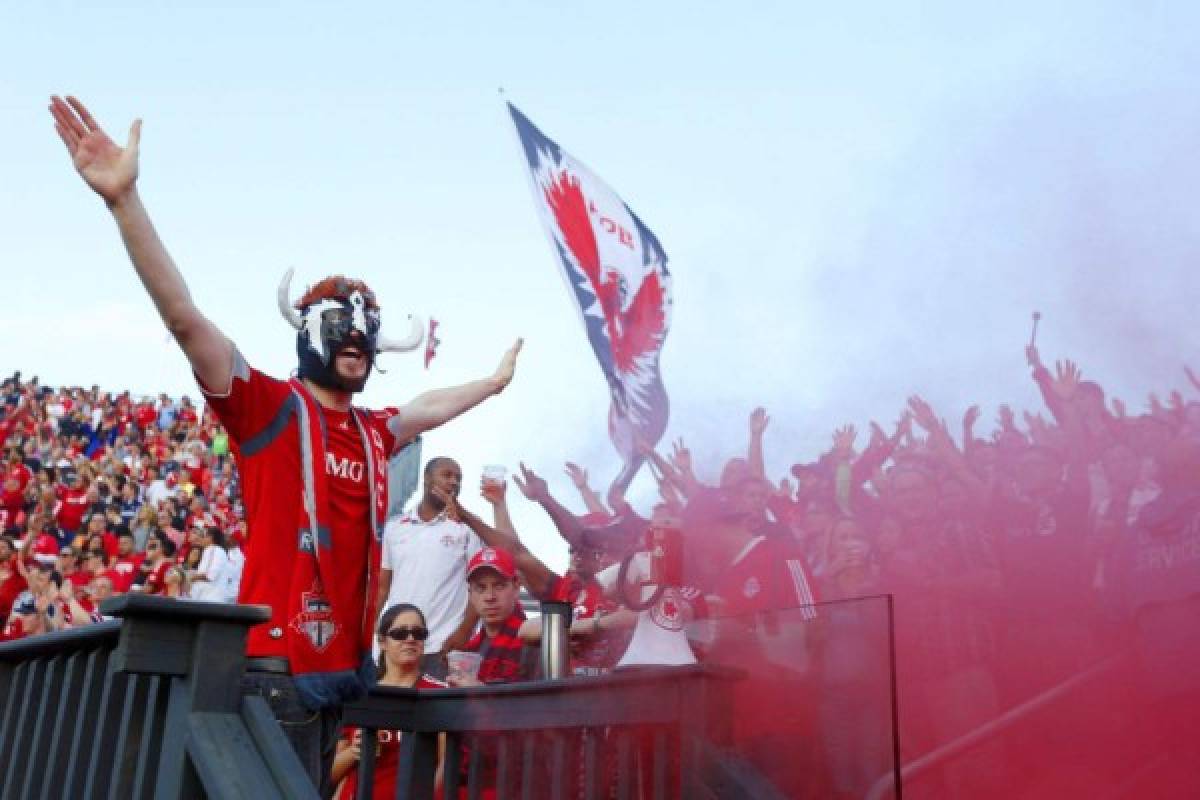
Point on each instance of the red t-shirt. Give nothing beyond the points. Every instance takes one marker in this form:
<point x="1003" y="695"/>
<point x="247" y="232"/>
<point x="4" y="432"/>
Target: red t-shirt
<point x="387" y="756"/>
<point x="14" y="630"/>
<point x="156" y="581"/>
<point x="145" y="415"/>
<point x="125" y="570"/>
<point x="271" y="501"/>
<point x="767" y="576"/>
<point x="10" y="587"/>
<point x="10" y="519"/>
<point x="12" y="500"/>
<point x="70" y="512"/>
<point x="21" y="472"/>
<point x="79" y="578"/>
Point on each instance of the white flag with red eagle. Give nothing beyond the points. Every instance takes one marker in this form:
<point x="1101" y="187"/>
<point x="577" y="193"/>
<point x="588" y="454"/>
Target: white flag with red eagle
<point x="617" y="275"/>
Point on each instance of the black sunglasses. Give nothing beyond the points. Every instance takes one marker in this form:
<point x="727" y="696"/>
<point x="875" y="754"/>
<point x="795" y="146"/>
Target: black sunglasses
<point x="400" y="634"/>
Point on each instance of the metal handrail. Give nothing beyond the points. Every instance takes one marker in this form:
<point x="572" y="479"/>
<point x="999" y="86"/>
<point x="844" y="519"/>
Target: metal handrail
<point x="987" y="730"/>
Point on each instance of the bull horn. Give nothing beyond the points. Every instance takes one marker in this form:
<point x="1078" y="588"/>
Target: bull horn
<point x="411" y="342"/>
<point x="285" y="303"/>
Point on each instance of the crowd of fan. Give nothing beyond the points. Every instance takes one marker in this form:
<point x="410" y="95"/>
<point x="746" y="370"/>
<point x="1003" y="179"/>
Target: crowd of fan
<point x="1015" y="558"/>
<point x="106" y="494"/>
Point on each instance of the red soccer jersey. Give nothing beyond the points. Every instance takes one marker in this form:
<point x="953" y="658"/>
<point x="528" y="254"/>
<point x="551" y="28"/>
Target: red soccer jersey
<point x="70" y="513"/>
<point x="767" y="576"/>
<point x="248" y="412"/>
<point x="79" y="578"/>
<point x="387" y="756"/>
<point x="156" y="581"/>
<point x="12" y="501"/>
<point x="125" y="570"/>
<point x="13" y="630"/>
<point x="145" y="415"/>
<point x="22" y="474"/>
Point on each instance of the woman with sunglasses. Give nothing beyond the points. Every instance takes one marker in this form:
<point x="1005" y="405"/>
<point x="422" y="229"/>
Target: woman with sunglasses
<point x="402" y="633"/>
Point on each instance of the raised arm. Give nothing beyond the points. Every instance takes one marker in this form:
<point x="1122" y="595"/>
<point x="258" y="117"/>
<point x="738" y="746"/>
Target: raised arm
<point x="754" y="453"/>
<point x="538" y="577"/>
<point x="579" y="478"/>
<point x="535" y="488"/>
<point x="438" y="406"/>
<point x="111" y="172"/>
<point x="497" y="496"/>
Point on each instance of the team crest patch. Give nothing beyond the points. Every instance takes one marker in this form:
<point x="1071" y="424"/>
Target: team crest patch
<point x="670" y="612"/>
<point x="751" y="587"/>
<point x="315" y="620"/>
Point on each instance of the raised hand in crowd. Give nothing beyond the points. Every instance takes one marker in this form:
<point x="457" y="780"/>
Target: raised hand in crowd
<point x="531" y="484"/>
<point x="1067" y="378"/>
<point x="591" y="500"/>
<point x="537" y="490"/>
<point x="843" y="441"/>
<point x="495" y="493"/>
<point x="923" y="414"/>
<point x="1155" y="404"/>
<point x="754" y="453"/>
<point x="663" y="472"/>
<point x="112" y="172"/>
<point x="1118" y="408"/>
<point x="970" y="417"/>
<point x="1005" y="418"/>
<point x="681" y="460"/>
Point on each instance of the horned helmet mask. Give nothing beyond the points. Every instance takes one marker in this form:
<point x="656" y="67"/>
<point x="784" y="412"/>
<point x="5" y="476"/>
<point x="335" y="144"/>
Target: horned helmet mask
<point x="336" y="315"/>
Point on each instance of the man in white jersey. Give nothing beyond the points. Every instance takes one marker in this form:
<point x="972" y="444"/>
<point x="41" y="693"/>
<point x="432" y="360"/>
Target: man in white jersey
<point x="424" y="562"/>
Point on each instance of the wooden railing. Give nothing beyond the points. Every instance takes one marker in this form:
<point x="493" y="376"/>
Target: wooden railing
<point x="147" y="706"/>
<point x="655" y="732"/>
<point x="150" y="705"/>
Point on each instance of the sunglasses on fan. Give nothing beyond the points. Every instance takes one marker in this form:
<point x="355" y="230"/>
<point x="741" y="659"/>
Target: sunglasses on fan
<point x="400" y="634"/>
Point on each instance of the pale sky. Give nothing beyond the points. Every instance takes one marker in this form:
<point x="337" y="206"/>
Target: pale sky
<point x="858" y="202"/>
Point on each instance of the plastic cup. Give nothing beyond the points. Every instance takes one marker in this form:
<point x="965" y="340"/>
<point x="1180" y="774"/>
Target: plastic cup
<point x="463" y="663"/>
<point x="494" y="474"/>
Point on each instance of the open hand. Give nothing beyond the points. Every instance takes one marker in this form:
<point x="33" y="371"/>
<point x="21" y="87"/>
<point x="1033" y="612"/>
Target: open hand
<point x="1066" y="378"/>
<point x="578" y="475"/>
<point x="681" y="457"/>
<point x="109" y="170"/>
<point x="971" y="417"/>
<point x="533" y="487"/>
<point x="843" y="439"/>
<point x="508" y="365"/>
<point x="758" y="421"/>
<point x="923" y="413"/>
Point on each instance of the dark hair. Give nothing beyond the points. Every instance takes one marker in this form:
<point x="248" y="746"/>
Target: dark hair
<point x="164" y="541"/>
<point x="218" y="535"/>
<point x="433" y="464"/>
<point x="385" y="625"/>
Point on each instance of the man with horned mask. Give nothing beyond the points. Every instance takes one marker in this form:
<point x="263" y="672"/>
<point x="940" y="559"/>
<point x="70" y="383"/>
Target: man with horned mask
<point x="313" y="467"/>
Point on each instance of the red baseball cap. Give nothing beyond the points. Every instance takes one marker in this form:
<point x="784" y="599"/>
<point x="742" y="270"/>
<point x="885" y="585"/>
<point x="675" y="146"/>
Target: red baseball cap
<point x="495" y="559"/>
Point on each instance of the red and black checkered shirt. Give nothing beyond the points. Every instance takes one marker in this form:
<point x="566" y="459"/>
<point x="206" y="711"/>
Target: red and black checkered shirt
<point x="504" y="656"/>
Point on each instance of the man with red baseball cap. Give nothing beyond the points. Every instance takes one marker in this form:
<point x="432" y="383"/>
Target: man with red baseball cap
<point x="494" y="592"/>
